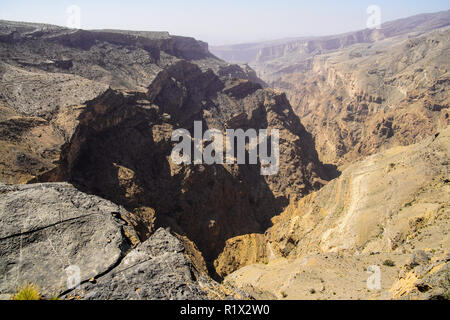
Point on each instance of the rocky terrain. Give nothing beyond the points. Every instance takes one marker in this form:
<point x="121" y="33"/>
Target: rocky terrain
<point x="88" y="188"/>
<point x="97" y="109"/>
<point x="269" y="56"/>
<point x="363" y="92"/>
<point x="78" y="246"/>
<point x="392" y="205"/>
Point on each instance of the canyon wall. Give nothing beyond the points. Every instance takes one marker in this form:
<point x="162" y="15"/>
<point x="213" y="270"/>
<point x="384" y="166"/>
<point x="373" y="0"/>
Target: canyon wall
<point x="97" y="109"/>
<point x="361" y="92"/>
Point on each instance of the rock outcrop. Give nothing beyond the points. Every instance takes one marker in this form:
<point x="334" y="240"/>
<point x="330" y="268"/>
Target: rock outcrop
<point x="383" y="203"/>
<point x="78" y="246"/>
<point x="366" y="91"/>
<point x="423" y="278"/>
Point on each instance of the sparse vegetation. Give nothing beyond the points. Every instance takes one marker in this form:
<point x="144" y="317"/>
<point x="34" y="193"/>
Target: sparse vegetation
<point x="388" y="263"/>
<point x="283" y="294"/>
<point x="27" y="292"/>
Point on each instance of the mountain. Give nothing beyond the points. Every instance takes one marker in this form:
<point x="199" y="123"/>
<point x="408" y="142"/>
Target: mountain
<point x="367" y="97"/>
<point x="97" y="109"/>
<point x="89" y="190"/>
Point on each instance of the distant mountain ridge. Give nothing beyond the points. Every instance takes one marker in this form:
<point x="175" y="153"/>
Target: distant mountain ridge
<point x="86" y="119"/>
<point x="97" y="109"/>
<point x="259" y="52"/>
<point x="363" y="91"/>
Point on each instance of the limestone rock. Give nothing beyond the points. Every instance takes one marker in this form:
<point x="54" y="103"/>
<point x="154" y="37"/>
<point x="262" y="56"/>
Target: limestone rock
<point x="429" y="281"/>
<point x="418" y="258"/>
<point x="51" y="230"/>
<point x="155" y="269"/>
<point x="393" y="205"/>
<point x="73" y="245"/>
<point x="361" y="92"/>
<point x="275" y="57"/>
<point x="97" y="109"/>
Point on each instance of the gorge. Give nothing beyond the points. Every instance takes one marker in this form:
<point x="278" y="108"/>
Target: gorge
<point x="87" y="178"/>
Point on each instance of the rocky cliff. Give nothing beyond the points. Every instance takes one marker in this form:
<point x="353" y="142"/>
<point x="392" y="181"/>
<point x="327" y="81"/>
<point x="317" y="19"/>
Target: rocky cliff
<point x="269" y="57"/>
<point x="365" y="91"/>
<point x="86" y="119"/>
<point x="97" y="109"/>
<point x="368" y="98"/>
<point x="388" y="210"/>
<point x="77" y="246"/>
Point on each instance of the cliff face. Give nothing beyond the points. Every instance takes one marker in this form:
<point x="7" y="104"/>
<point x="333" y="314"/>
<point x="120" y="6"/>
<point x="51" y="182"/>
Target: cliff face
<point x="365" y="91"/>
<point x="98" y="109"/>
<point x="393" y="205"/>
<point x="368" y="98"/>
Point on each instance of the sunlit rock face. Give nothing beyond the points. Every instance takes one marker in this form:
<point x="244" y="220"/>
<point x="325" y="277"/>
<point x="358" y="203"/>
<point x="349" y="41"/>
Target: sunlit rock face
<point x="361" y="92"/>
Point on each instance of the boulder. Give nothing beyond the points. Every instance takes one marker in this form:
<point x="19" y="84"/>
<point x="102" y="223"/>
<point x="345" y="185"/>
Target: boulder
<point x="73" y="245"/>
<point x="156" y="269"/>
<point x="55" y="236"/>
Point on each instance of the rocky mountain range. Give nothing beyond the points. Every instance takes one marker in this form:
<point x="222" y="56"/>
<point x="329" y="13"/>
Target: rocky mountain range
<point x="365" y="91"/>
<point x="94" y="207"/>
<point x="97" y="109"/>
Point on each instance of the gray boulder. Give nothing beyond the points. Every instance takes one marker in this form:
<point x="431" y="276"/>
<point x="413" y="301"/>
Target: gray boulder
<point x="77" y="246"/>
<point x="55" y="236"/>
<point x="156" y="269"/>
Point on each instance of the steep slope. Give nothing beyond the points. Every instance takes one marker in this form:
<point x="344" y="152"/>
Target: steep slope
<point x="365" y="91"/>
<point x="364" y="99"/>
<point x="385" y="207"/>
<point x="97" y="109"/>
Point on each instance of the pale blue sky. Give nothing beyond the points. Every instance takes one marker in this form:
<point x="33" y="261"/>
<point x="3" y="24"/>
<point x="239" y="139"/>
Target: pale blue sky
<point x="220" y="22"/>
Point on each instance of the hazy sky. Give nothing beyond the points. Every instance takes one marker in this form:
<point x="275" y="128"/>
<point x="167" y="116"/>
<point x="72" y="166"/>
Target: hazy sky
<point x="219" y="22"/>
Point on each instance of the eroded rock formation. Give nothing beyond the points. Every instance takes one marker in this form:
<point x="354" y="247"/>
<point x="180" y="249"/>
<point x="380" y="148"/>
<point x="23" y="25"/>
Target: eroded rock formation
<point x="97" y="109"/>
<point x="362" y="92"/>
<point x="106" y="128"/>
<point x="79" y="246"/>
<point x="385" y="207"/>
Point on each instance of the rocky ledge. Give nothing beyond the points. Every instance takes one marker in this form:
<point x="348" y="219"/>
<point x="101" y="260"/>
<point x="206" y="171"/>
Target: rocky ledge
<point x="78" y="246"/>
